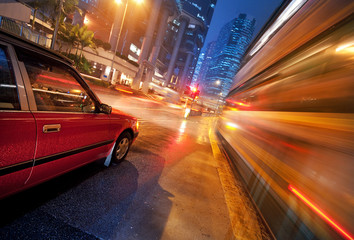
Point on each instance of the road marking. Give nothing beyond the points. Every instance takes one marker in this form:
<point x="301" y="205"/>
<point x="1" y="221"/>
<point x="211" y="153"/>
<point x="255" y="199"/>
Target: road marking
<point x="243" y="216"/>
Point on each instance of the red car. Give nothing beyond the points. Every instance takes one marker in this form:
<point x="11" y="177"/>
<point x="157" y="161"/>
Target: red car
<point x="50" y="120"/>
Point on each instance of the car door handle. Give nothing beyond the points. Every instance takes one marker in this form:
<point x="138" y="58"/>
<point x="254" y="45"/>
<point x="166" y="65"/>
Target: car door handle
<point x="50" y="128"/>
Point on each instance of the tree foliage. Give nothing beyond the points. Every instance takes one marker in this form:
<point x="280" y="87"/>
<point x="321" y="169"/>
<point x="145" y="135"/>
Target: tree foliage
<point x="51" y="7"/>
<point x="82" y="64"/>
<point x="37" y="5"/>
<point x="68" y="34"/>
<point x="99" y="43"/>
<point x="73" y="36"/>
<point x="85" y="38"/>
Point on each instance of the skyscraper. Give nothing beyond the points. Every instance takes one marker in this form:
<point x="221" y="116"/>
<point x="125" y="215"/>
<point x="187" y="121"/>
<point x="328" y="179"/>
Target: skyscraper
<point x="232" y="42"/>
<point x="183" y="42"/>
<point x="203" y="64"/>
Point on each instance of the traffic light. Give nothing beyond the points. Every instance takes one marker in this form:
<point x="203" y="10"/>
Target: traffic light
<point x="195" y="92"/>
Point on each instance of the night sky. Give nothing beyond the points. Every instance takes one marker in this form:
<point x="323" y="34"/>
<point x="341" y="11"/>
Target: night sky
<point x="226" y="10"/>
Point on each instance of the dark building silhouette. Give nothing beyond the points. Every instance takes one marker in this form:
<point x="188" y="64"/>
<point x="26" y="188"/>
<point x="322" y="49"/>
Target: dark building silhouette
<point x="183" y="42"/>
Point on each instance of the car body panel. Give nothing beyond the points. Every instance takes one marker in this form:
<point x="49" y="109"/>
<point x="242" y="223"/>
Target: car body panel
<point x="78" y="132"/>
<point x="36" y="146"/>
<point x="17" y="146"/>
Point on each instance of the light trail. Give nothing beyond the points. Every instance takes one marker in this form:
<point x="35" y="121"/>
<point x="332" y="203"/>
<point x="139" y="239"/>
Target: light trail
<point x="323" y="215"/>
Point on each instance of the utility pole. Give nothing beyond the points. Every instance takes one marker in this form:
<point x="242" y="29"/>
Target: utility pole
<point x="194" y="95"/>
<point x="118" y="38"/>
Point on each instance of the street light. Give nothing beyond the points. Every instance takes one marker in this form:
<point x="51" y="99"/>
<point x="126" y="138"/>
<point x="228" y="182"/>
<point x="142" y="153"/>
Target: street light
<point x="86" y="21"/>
<point x="120" y="31"/>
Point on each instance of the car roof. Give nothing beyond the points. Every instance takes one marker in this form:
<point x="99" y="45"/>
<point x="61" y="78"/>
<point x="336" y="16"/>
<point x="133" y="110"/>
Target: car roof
<point x="22" y="42"/>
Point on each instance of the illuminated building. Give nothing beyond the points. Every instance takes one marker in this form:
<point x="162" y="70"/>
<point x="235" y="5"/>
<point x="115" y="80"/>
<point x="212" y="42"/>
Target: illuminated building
<point x="203" y="63"/>
<point x="230" y="47"/>
<point x="183" y="42"/>
<point x="105" y="18"/>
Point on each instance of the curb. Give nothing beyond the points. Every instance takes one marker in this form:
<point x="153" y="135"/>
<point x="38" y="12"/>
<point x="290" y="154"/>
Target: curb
<point x="243" y="216"/>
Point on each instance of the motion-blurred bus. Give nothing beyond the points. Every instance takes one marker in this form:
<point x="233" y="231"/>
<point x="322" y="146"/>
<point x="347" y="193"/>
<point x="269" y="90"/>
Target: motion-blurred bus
<point x="288" y="123"/>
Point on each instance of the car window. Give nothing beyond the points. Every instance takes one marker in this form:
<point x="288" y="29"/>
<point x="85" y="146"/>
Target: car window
<point x="8" y="89"/>
<point x="54" y="85"/>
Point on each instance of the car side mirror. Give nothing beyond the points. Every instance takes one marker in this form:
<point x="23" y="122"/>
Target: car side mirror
<point x="104" y="108"/>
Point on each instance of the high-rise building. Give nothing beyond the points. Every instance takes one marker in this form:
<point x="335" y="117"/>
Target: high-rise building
<point x="170" y="60"/>
<point x="198" y="67"/>
<point x="104" y="18"/>
<point x="183" y="42"/>
<point x="127" y="27"/>
<point x="232" y="42"/>
<point x="203" y="64"/>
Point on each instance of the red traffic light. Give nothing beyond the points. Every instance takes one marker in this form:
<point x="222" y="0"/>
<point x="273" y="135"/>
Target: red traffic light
<point x="192" y="91"/>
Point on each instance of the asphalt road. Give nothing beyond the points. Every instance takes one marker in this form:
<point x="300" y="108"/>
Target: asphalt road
<point x="169" y="187"/>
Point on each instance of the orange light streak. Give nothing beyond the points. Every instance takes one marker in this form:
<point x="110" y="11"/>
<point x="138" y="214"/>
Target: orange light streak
<point x="233" y="109"/>
<point x="122" y="90"/>
<point x="238" y="103"/>
<point x="333" y="224"/>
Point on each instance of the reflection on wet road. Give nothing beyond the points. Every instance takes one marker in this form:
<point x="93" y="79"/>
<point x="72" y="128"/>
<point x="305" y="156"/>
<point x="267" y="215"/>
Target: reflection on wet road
<point x="168" y="187"/>
<point x="171" y="186"/>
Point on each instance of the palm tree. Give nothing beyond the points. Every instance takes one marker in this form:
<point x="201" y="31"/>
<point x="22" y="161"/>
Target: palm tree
<point x="85" y="39"/>
<point x="51" y="7"/>
<point x="51" y="10"/>
<point x="69" y="35"/>
<point x="73" y="37"/>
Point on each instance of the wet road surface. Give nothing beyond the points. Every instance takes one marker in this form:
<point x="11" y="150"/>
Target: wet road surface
<point x="171" y="186"/>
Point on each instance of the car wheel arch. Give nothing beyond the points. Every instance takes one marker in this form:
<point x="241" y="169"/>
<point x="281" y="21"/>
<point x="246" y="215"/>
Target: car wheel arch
<point x="109" y="158"/>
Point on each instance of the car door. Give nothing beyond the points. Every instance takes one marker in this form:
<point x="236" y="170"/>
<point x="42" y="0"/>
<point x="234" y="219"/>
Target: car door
<point x="70" y="132"/>
<point x="17" y="126"/>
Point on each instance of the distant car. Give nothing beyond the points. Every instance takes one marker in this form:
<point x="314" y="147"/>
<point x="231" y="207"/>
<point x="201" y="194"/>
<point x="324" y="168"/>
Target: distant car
<point x="50" y="120"/>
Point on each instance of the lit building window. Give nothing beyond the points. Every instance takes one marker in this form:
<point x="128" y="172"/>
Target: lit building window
<point x="132" y="58"/>
<point x="201" y="17"/>
<point x="197" y="6"/>
<point x="135" y="49"/>
<point x="176" y="22"/>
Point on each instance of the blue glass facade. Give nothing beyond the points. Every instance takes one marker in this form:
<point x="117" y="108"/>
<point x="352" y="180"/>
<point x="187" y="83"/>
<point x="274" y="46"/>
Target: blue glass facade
<point x="203" y="65"/>
<point x="230" y="47"/>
